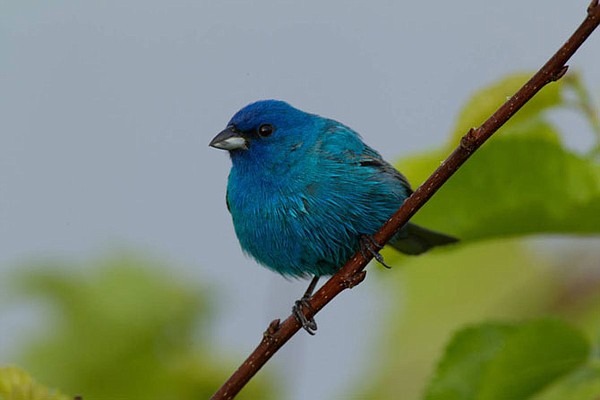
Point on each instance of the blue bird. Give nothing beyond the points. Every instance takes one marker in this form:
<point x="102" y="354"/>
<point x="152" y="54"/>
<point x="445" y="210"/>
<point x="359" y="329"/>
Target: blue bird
<point x="304" y="191"/>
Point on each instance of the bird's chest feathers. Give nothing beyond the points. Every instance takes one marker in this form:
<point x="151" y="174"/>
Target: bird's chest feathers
<point x="267" y="203"/>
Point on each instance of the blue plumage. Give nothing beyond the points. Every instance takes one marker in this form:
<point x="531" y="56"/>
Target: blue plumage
<point x="303" y="189"/>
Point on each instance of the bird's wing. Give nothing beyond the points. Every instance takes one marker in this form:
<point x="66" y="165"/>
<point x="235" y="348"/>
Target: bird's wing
<point x="345" y="145"/>
<point x="371" y="158"/>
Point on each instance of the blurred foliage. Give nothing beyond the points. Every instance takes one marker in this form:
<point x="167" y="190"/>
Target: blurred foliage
<point x="523" y="181"/>
<point x="481" y="362"/>
<point x="438" y="294"/>
<point x="126" y="328"/>
<point x="16" y="384"/>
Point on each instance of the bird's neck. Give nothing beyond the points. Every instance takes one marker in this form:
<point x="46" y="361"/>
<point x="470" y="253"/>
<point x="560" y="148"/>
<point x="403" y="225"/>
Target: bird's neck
<point x="274" y="176"/>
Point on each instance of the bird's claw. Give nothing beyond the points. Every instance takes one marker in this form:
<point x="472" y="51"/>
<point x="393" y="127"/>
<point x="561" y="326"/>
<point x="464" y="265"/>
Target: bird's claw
<point x="368" y="244"/>
<point x="309" y="325"/>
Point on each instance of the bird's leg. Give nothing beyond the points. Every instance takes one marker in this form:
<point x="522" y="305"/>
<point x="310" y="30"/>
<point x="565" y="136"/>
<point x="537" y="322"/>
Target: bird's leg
<point x="368" y="244"/>
<point x="309" y="325"/>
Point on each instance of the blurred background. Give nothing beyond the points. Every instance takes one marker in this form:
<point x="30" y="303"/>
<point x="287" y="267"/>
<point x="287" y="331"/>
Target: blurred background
<point x="120" y="273"/>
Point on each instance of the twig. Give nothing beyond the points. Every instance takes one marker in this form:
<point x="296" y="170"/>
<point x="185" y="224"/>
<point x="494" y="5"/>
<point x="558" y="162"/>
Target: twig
<point x="277" y="334"/>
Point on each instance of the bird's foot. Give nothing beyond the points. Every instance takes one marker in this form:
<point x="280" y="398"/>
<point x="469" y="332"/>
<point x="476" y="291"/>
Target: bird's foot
<point x="368" y="244"/>
<point x="309" y="324"/>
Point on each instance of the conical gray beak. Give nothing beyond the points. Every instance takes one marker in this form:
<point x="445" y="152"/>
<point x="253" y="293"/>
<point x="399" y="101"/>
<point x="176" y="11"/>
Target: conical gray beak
<point x="229" y="139"/>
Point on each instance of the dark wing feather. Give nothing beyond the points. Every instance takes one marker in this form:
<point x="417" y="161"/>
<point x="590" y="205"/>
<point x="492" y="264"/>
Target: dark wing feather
<point x="345" y="145"/>
<point x="370" y="158"/>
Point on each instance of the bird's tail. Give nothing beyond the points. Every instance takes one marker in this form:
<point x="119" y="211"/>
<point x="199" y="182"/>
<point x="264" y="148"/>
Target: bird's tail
<point x="414" y="239"/>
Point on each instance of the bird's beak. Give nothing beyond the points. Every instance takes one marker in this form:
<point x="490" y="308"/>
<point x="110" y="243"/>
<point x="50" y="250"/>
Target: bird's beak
<point x="229" y="139"/>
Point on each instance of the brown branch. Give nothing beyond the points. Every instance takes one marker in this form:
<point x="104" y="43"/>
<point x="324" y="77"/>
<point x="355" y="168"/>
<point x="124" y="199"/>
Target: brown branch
<point x="277" y="334"/>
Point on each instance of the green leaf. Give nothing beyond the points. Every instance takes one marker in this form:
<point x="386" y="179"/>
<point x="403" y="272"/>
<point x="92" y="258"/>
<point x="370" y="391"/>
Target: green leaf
<point x="483" y="103"/>
<point x="523" y="181"/>
<point x="517" y="184"/>
<point x="507" y="362"/>
<point x="433" y="296"/>
<point x="16" y="384"/>
<point x="462" y="367"/>
<point x="532" y="357"/>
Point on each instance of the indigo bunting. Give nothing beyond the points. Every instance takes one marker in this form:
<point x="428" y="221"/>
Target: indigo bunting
<point x="304" y="191"/>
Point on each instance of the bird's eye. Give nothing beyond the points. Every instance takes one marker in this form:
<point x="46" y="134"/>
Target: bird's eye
<point x="265" y="130"/>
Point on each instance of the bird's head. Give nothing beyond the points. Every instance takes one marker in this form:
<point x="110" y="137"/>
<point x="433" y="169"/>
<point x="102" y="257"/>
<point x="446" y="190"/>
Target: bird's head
<point x="266" y="129"/>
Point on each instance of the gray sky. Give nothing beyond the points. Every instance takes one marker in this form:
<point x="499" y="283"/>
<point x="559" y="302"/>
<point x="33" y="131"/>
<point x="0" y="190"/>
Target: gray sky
<point x="107" y="107"/>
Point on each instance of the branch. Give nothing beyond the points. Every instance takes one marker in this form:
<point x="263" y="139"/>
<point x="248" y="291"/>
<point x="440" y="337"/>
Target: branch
<point x="351" y="274"/>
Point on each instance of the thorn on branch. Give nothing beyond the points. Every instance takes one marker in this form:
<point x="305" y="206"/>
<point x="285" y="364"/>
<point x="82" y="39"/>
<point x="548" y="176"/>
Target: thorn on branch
<point x="467" y="142"/>
<point x="593" y="4"/>
<point x="351" y="281"/>
<point x="271" y="330"/>
<point x="560" y="73"/>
